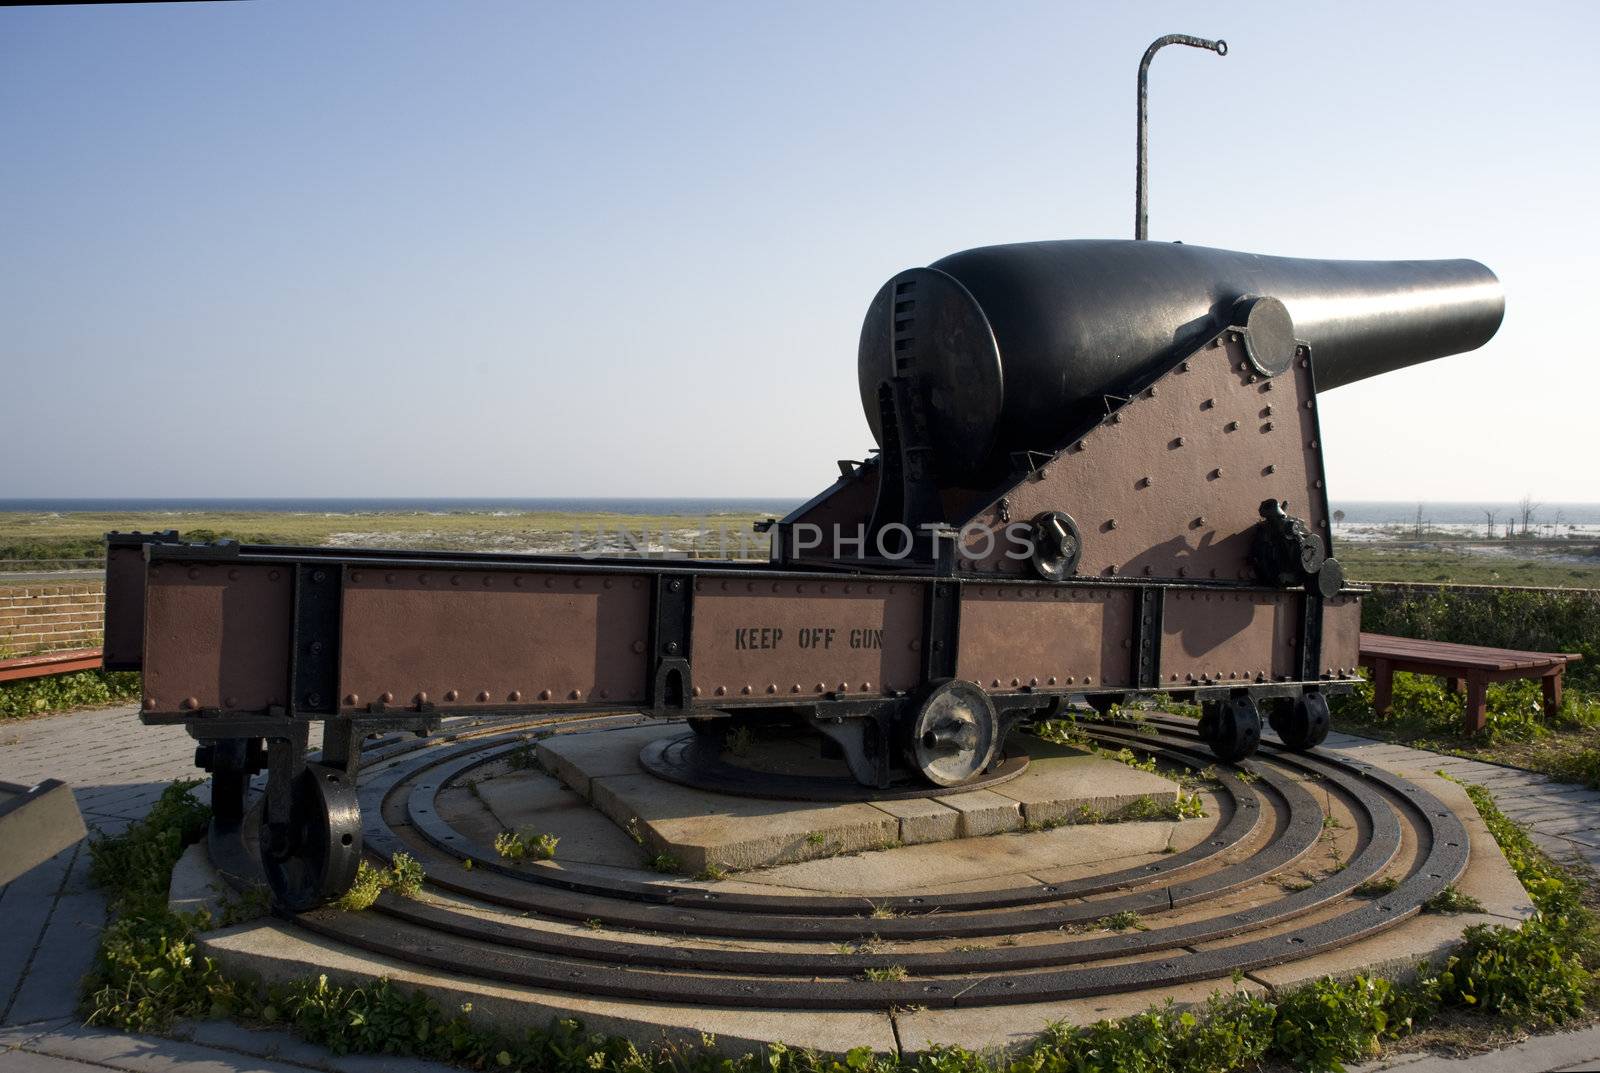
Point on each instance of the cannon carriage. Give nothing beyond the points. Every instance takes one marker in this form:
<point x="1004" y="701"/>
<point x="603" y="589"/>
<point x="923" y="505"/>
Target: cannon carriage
<point x="1098" y="475"/>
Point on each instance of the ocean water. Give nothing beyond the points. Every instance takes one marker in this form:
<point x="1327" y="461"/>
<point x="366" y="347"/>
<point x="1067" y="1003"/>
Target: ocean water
<point x="693" y="507"/>
<point x="1356" y="512"/>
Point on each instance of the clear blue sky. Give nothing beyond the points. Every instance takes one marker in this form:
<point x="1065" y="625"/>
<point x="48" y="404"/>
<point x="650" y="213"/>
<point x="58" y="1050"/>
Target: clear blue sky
<point x="520" y="249"/>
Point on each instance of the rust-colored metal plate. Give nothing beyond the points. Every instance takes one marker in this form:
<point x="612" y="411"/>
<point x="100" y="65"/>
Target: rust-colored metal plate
<point x="840" y="513"/>
<point x="756" y="640"/>
<point x="464" y="638"/>
<point x="1229" y="636"/>
<point x="1046" y="637"/>
<point x="1341" y="635"/>
<point x="216" y="636"/>
<point x="1172" y="487"/>
<point x="123" y="641"/>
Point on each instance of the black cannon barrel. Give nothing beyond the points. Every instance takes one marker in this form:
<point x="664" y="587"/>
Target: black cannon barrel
<point x="1009" y="346"/>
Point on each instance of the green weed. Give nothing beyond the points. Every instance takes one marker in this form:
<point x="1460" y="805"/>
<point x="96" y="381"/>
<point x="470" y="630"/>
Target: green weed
<point x="64" y="692"/>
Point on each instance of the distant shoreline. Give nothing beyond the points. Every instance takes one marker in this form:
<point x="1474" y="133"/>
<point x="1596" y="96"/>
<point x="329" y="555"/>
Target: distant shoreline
<point x="1356" y="512"/>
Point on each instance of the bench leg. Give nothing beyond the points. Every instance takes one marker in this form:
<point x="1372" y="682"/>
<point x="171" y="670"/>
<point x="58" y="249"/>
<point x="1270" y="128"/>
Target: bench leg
<point x="1454" y="685"/>
<point x="1382" y="686"/>
<point x="1477" y="704"/>
<point x="1551" y="685"/>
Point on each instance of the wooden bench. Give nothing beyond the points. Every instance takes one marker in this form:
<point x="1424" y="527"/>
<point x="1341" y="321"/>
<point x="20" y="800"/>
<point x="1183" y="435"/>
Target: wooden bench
<point x="48" y="663"/>
<point x="1473" y="665"/>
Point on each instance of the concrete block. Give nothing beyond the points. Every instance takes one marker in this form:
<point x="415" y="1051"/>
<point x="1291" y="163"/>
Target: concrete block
<point x="195" y="884"/>
<point x="984" y="812"/>
<point x="705" y="830"/>
<point x="923" y="819"/>
<point x="527" y="800"/>
<point x="577" y="758"/>
<point x="1055" y="789"/>
<point x="36" y="823"/>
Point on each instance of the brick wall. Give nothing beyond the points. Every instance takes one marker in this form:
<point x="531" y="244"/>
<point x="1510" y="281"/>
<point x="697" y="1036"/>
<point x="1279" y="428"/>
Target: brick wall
<point x="38" y="618"/>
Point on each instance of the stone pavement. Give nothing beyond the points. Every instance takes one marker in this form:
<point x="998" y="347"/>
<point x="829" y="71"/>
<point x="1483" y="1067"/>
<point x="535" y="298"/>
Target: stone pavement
<point x="51" y="917"/>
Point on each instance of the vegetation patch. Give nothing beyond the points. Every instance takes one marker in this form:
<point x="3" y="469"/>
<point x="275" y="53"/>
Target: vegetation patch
<point x="403" y="876"/>
<point x="526" y="844"/>
<point x="1536" y="621"/>
<point x="1427" y="715"/>
<point x="63" y="692"/>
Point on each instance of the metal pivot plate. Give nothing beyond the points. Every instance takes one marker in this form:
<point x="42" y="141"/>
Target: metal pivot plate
<point x="956" y="733"/>
<point x="1269" y="334"/>
<point x="1232" y="728"/>
<point x="1303" y="722"/>
<point x="1330" y="578"/>
<point x="317" y="860"/>
<point x="1057" y="545"/>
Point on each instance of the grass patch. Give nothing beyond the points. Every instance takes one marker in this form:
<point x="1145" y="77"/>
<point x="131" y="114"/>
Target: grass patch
<point x="1393" y="561"/>
<point x="403" y="876"/>
<point x="1122" y="921"/>
<point x="1516" y="732"/>
<point x="526" y="845"/>
<point x="886" y="974"/>
<point x="1451" y="900"/>
<point x="80" y="534"/>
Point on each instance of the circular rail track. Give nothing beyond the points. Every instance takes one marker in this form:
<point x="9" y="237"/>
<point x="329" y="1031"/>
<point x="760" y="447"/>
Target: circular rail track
<point x="1266" y="882"/>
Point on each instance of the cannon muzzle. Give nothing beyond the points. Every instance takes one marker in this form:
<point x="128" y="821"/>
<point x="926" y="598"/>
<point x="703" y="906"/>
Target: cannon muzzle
<point x="1007" y="348"/>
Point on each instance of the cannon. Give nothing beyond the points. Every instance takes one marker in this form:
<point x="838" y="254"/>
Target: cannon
<point x="1098" y="476"/>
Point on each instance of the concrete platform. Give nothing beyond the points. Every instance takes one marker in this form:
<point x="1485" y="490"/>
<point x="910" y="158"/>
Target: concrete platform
<point x="595" y="848"/>
<point x="709" y="832"/>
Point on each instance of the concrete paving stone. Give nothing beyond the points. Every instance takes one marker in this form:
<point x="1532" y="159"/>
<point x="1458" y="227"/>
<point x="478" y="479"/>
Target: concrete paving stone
<point x="43" y="880"/>
<point x="65" y="954"/>
<point x="923" y="819"/>
<point x="1557" y="1051"/>
<point x="25" y="919"/>
<point x="577" y="758"/>
<point x="144" y="1054"/>
<point x="1582" y="838"/>
<point x="30" y="1062"/>
<point x="13" y="1036"/>
<point x="984" y="812"/>
<point x="274" y="1044"/>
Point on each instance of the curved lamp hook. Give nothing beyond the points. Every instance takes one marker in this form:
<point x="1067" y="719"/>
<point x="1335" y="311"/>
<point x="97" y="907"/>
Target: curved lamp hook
<point x="1141" y="198"/>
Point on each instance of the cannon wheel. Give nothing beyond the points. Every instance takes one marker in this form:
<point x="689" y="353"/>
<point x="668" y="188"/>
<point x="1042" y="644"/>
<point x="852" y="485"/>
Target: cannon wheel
<point x="321" y="850"/>
<point x="1303" y="723"/>
<point x="1231" y="728"/>
<point x="956" y="733"/>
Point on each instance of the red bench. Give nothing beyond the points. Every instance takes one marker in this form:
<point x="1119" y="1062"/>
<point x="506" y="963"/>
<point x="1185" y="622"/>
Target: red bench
<point x="48" y="663"/>
<point x="1473" y="665"/>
